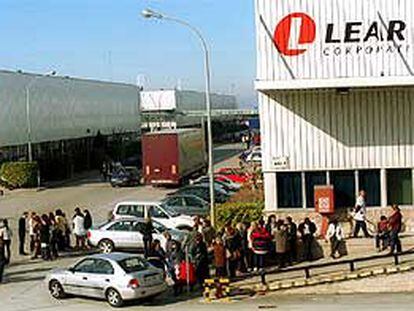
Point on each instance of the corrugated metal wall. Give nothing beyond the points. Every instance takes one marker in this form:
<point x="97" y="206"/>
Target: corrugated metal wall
<point x="365" y="59"/>
<point x="323" y="130"/>
<point x="65" y="108"/>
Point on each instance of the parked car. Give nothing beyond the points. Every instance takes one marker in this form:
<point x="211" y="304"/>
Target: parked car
<point x="187" y="204"/>
<point x="125" y="176"/>
<point x="223" y="178"/>
<point x="165" y="215"/>
<point x="235" y="174"/>
<point x="227" y="186"/>
<point x="203" y="192"/>
<point x="116" y="277"/>
<point x="126" y="234"/>
<point x="254" y="157"/>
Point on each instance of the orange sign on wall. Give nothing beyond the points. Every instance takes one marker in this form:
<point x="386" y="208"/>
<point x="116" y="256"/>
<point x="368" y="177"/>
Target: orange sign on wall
<point x="324" y="199"/>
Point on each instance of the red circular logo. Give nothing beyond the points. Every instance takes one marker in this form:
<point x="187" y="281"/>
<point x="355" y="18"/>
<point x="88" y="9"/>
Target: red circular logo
<point x="294" y="31"/>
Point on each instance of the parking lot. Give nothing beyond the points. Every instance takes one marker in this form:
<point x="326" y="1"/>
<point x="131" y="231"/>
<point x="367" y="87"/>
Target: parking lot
<point x="25" y="289"/>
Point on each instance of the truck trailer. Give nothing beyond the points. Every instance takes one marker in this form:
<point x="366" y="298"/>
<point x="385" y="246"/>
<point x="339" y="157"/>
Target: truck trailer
<point x="171" y="157"/>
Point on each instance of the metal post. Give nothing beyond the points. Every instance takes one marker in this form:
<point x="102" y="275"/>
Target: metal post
<point x="148" y="13"/>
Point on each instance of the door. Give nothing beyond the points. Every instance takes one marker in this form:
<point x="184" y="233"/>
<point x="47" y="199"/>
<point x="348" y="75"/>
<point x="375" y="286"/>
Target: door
<point x="100" y="278"/>
<point x="120" y="233"/>
<point x="136" y="240"/>
<point x="77" y="280"/>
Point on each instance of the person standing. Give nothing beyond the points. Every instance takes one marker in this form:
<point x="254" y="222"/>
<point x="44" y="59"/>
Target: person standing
<point x="260" y="242"/>
<point x="147" y="236"/>
<point x="2" y="256"/>
<point x="219" y="252"/>
<point x="32" y="234"/>
<point x="307" y="230"/>
<point x="360" y="212"/>
<point x="7" y="239"/>
<point x="199" y="255"/>
<point x="335" y="235"/>
<point x="280" y="237"/>
<point x="45" y="237"/>
<point x="395" y="225"/>
<point x="78" y="226"/>
<point x="382" y="238"/>
<point x="88" y="219"/>
<point x="232" y="244"/>
<point x="22" y="233"/>
<point x="292" y="240"/>
<point x="242" y="233"/>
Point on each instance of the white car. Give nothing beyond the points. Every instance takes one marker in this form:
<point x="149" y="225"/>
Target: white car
<point x="163" y="214"/>
<point x="126" y="234"/>
<point x="255" y="156"/>
<point x="116" y="277"/>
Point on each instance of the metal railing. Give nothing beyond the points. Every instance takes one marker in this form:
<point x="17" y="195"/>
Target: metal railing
<point x="350" y="262"/>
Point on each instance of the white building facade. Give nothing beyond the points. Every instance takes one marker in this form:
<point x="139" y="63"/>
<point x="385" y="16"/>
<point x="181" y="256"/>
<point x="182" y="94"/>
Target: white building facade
<point x="336" y="93"/>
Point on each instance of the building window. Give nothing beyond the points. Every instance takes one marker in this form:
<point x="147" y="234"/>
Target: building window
<point x="289" y="189"/>
<point x="313" y="179"/>
<point x="369" y="180"/>
<point x="344" y="187"/>
<point x="400" y="187"/>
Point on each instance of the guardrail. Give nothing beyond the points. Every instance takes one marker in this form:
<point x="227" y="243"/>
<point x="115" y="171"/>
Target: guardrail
<point x="350" y="262"/>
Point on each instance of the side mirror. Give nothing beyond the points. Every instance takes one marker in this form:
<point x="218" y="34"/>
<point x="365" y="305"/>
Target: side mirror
<point x="71" y="269"/>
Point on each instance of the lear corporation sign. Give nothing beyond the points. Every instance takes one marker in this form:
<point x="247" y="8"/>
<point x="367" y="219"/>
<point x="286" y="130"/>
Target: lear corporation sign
<point x="324" y="39"/>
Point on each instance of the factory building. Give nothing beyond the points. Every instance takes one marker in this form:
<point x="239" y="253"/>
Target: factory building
<point x="71" y="123"/>
<point x="336" y="93"/>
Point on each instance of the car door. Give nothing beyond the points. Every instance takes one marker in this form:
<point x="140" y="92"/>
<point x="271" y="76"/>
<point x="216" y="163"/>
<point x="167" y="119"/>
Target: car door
<point x="77" y="281"/>
<point x="136" y="240"/>
<point x="119" y="233"/>
<point x="101" y="277"/>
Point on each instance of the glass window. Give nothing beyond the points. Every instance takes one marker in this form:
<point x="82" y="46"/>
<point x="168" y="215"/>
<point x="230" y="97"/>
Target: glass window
<point x="103" y="267"/>
<point x="120" y="226"/>
<point x="137" y="211"/>
<point x="313" y="179"/>
<point x="123" y="209"/>
<point x="344" y="187"/>
<point x="134" y="264"/>
<point x="399" y="187"/>
<point x="138" y="227"/>
<point x="369" y="180"/>
<point x="85" y="266"/>
<point x="191" y="201"/>
<point x="156" y="212"/>
<point x="175" y="201"/>
<point x="289" y="189"/>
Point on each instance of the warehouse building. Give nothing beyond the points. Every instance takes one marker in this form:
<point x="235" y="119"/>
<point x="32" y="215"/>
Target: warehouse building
<point x="72" y="123"/>
<point x="336" y="93"/>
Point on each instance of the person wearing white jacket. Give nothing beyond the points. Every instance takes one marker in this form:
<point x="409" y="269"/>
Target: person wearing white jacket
<point x="335" y="235"/>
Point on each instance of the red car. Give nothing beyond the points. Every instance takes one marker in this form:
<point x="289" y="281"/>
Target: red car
<point x="234" y="174"/>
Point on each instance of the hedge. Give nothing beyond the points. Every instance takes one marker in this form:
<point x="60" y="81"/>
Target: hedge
<point x="19" y="174"/>
<point x="234" y="213"/>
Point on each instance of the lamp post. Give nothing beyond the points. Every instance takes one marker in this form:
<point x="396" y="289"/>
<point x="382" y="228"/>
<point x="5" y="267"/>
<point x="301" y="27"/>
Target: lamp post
<point x="28" y="117"/>
<point x="148" y="13"/>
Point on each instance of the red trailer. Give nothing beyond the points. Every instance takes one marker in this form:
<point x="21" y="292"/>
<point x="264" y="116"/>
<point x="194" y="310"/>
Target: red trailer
<point x="170" y="157"/>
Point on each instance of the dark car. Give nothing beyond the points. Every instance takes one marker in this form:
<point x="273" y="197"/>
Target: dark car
<point x="125" y="177"/>
<point x="187" y="204"/>
<point x="203" y="192"/>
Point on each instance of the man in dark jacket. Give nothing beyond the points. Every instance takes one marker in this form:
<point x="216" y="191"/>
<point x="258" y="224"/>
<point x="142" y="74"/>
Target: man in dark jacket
<point x="292" y="235"/>
<point x="147" y="236"/>
<point x="22" y="233"/>
<point x="307" y="229"/>
<point x="199" y="256"/>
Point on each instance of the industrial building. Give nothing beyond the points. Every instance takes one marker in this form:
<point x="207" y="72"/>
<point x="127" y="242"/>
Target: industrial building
<point x="174" y="109"/>
<point x="71" y="123"/>
<point x="336" y="94"/>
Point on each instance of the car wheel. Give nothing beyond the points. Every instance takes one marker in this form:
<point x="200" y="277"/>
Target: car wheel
<point x="106" y="246"/>
<point x="56" y="290"/>
<point x="114" y="298"/>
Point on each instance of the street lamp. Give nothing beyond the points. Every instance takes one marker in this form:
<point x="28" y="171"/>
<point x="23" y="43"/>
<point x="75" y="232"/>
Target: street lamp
<point x="28" y="119"/>
<point x="148" y="13"/>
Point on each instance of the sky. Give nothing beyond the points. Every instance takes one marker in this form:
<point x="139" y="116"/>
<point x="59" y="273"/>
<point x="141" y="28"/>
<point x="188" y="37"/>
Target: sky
<point x="109" y="40"/>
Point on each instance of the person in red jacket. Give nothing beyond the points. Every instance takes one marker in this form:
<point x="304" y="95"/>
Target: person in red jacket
<point x="395" y="224"/>
<point x="261" y="240"/>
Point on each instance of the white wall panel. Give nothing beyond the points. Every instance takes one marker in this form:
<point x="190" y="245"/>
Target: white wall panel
<point x="322" y="130"/>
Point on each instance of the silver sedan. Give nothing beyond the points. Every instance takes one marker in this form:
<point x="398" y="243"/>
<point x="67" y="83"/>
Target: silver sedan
<point x="116" y="277"/>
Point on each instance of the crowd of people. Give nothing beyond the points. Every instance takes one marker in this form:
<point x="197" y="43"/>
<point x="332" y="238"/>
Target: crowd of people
<point x="46" y="234"/>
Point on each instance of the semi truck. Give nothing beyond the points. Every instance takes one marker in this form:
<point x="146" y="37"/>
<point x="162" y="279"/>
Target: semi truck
<point x="171" y="157"/>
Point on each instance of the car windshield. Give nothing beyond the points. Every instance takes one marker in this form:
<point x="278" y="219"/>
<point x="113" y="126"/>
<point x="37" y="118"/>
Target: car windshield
<point x="170" y="210"/>
<point x="133" y="264"/>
